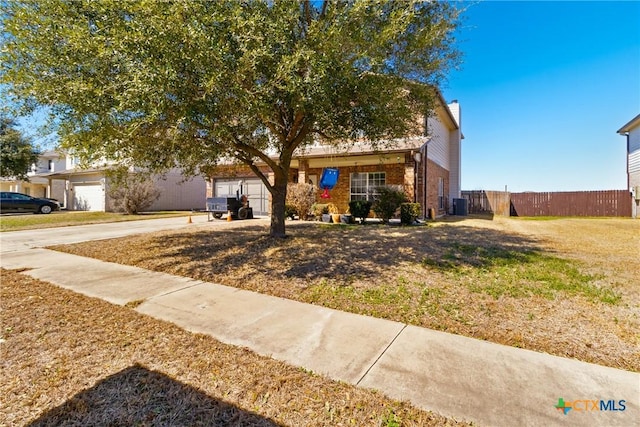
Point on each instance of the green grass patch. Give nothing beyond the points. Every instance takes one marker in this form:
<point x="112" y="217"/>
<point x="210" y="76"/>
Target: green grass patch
<point x="523" y="273"/>
<point x="374" y="301"/>
<point x="65" y="218"/>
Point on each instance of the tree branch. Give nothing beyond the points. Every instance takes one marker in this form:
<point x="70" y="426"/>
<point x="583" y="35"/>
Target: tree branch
<point x="238" y="144"/>
<point x="294" y="131"/>
<point x="256" y="170"/>
<point x="304" y="131"/>
<point x="323" y="12"/>
<point x="307" y="14"/>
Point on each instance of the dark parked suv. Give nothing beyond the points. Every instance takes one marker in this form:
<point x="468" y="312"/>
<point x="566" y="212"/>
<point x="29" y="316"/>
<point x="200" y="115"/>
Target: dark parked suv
<point x="18" y="202"/>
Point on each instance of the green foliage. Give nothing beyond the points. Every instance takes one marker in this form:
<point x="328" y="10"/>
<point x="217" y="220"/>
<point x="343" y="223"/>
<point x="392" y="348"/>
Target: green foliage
<point x="360" y="209"/>
<point x="290" y="212"/>
<point x="132" y="193"/>
<point x="391" y="420"/>
<point x="300" y="197"/>
<point x="158" y="84"/>
<point x="387" y="201"/>
<point x="318" y="209"/>
<point x="17" y="154"/>
<point x="497" y="271"/>
<point x="409" y="212"/>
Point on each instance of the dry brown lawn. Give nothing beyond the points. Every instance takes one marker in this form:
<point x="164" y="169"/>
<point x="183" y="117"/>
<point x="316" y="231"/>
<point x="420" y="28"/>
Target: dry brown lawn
<point x="71" y="360"/>
<point x="568" y="287"/>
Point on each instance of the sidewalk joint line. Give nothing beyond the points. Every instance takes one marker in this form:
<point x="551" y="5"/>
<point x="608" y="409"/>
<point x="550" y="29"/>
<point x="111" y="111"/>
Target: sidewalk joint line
<point x="382" y="354"/>
<point x="198" y="283"/>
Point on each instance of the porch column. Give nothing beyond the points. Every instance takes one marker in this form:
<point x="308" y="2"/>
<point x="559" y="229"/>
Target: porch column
<point x="49" y="185"/>
<point x="303" y="169"/>
<point x="67" y="188"/>
<point x="409" y="176"/>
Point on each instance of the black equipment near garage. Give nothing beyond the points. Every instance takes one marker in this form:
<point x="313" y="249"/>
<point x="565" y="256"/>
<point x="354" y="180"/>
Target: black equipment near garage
<point x="237" y="206"/>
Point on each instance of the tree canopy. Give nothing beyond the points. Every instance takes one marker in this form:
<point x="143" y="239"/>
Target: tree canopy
<point x="17" y="153"/>
<point x="188" y="83"/>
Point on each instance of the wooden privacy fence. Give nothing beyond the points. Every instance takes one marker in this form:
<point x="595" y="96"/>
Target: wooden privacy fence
<point x="493" y="202"/>
<point x="570" y="203"/>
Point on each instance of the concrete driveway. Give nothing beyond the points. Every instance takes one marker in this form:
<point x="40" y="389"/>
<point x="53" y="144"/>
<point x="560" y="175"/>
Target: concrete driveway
<point x="21" y="240"/>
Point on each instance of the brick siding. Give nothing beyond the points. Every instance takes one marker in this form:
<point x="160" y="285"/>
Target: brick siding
<point x="402" y="173"/>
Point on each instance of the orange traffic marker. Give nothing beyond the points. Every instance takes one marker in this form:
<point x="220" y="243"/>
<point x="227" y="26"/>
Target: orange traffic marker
<point x="189" y="220"/>
<point x="229" y="219"/>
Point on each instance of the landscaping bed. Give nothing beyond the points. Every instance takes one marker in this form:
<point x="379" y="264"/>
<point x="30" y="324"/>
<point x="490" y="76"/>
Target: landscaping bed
<point x="563" y="286"/>
<point x="68" y="359"/>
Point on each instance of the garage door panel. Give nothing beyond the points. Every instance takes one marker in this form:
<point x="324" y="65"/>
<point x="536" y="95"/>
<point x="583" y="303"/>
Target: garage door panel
<point x="258" y="197"/>
<point x="88" y="197"/>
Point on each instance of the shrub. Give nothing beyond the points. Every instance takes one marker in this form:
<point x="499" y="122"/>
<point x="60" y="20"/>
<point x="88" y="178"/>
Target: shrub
<point x="409" y="212"/>
<point x="318" y="209"/>
<point x="301" y="197"/>
<point x="360" y="209"/>
<point x="333" y="209"/>
<point x="133" y="193"/>
<point x="290" y="212"/>
<point x="387" y="202"/>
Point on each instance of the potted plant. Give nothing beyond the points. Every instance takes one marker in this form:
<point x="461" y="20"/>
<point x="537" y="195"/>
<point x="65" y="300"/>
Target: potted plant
<point x="321" y="211"/>
<point x="334" y="212"/>
<point x="346" y="219"/>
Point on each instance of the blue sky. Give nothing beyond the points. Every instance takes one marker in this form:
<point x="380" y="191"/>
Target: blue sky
<point x="543" y="87"/>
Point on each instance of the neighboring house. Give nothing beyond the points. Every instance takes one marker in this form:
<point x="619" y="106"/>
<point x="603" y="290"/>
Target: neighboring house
<point x="426" y="167"/>
<point x="59" y="177"/>
<point x="38" y="185"/>
<point x="632" y="131"/>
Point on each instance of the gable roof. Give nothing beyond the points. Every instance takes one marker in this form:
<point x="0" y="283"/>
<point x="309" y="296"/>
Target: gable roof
<point x="633" y="123"/>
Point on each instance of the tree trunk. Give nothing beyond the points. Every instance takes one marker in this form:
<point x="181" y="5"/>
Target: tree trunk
<point x="278" y="197"/>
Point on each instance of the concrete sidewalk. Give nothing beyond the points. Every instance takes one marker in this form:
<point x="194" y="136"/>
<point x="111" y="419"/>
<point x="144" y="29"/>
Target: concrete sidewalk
<point x="464" y="378"/>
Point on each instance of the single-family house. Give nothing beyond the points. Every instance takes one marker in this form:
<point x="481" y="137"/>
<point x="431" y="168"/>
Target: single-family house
<point x="38" y="185"/>
<point x="426" y="166"/>
<point x="60" y="177"/>
<point x="632" y="132"/>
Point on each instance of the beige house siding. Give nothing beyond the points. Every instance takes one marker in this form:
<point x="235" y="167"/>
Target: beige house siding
<point x="439" y="141"/>
<point x="177" y="194"/>
<point x="631" y="131"/>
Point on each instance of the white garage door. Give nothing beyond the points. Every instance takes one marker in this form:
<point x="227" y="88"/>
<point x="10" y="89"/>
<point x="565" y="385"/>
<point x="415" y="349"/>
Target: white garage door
<point x="254" y="188"/>
<point x="88" y="197"/>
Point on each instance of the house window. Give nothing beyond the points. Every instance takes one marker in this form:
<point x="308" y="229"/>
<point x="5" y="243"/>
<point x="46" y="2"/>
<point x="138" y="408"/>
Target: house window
<point x="50" y="165"/>
<point x="440" y="193"/>
<point x="364" y="184"/>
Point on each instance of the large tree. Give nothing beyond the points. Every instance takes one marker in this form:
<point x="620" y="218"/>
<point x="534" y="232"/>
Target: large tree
<point x="17" y="153"/>
<point x="191" y="83"/>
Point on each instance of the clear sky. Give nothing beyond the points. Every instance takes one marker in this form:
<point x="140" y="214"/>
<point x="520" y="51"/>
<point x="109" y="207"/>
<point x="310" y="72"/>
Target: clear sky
<point x="543" y="88"/>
